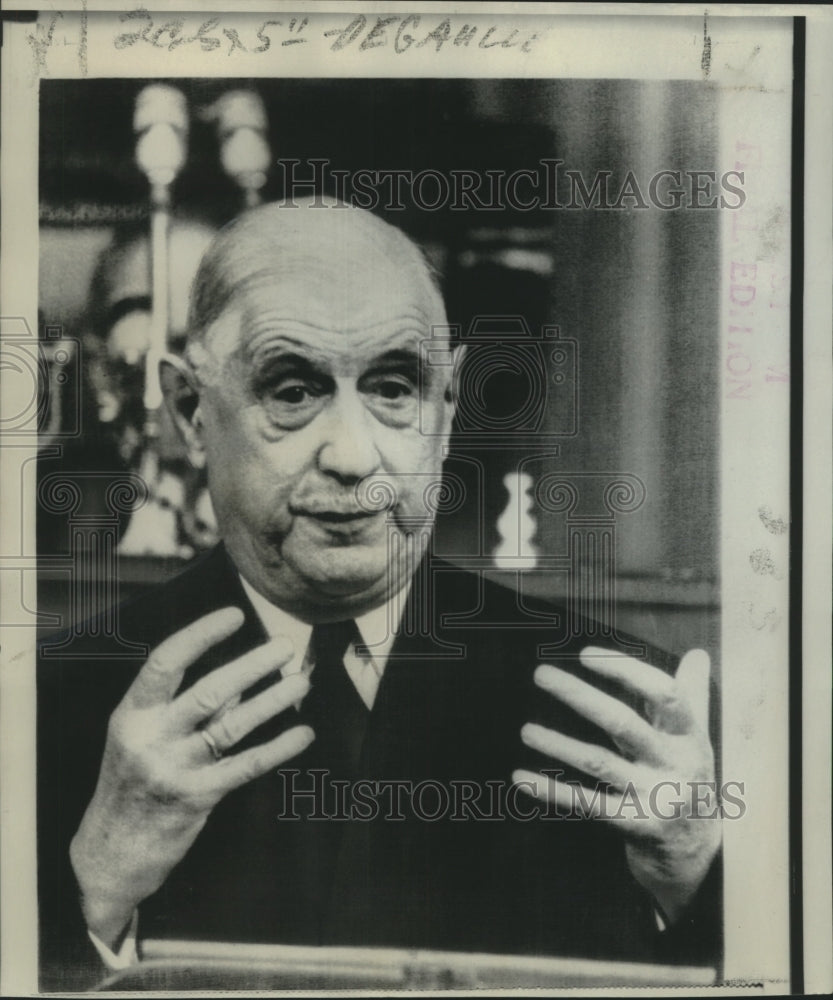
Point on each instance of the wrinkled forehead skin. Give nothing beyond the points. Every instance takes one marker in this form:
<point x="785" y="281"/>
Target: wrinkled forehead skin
<point x="346" y="254"/>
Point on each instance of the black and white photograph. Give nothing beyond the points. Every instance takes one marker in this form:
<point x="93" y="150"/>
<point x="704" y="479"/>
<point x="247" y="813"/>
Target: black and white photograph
<point x="401" y="553"/>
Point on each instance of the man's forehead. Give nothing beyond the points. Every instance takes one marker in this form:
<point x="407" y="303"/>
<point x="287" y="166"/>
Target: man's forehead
<point x="308" y="285"/>
<point x="326" y="346"/>
<point x="305" y="306"/>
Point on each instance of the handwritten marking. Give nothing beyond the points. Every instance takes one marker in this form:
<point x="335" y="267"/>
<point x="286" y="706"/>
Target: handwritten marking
<point x="774" y="525"/>
<point x="214" y="34"/>
<point x="762" y="562"/>
<point x="706" y="58"/>
<point x="41" y="41"/>
<point x="82" y="46"/>
<point x="759" y="619"/>
<point x="296" y="41"/>
<point x="360" y="32"/>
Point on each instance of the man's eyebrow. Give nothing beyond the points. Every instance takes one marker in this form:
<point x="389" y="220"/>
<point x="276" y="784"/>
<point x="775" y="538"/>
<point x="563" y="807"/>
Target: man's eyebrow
<point x="287" y="351"/>
<point x="287" y="359"/>
<point x="280" y="363"/>
<point x="407" y="356"/>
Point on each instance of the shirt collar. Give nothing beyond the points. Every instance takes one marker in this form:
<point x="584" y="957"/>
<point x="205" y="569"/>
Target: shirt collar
<point x="377" y="628"/>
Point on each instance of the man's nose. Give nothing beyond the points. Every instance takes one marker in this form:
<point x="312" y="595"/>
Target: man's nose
<point x="349" y="450"/>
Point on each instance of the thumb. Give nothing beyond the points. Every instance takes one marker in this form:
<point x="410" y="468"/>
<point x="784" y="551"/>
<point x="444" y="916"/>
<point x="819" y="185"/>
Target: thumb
<point x="693" y="676"/>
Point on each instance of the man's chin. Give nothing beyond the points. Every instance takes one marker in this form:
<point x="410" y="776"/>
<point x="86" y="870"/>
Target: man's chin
<point x="344" y="572"/>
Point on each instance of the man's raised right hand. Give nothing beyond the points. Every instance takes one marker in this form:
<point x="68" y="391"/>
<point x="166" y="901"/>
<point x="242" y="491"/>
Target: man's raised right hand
<point x="159" y="778"/>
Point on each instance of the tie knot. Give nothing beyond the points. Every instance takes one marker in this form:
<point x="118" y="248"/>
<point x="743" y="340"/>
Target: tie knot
<point x="329" y="642"/>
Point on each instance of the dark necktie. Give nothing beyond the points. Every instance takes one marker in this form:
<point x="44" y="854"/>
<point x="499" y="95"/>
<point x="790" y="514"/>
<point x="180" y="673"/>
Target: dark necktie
<point x="338" y="716"/>
<point x="333" y="706"/>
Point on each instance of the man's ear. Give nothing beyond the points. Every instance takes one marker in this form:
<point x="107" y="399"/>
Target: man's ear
<point x="182" y="398"/>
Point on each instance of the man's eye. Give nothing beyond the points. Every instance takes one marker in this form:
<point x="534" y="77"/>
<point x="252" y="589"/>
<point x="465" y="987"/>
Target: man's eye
<point x="291" y="394"/>
<point x="394" y="389"/>
<point x="295" y="393"/>
<point x="391" y="389"/>
<point x="292" y="402"/>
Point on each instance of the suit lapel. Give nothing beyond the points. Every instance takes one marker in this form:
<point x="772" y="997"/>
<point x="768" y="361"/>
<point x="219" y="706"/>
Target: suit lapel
<point x="217" y="585"/>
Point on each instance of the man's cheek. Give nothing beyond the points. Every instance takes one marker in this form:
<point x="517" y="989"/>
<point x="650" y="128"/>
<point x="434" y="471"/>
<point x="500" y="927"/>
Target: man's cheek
<point x="437" y="414"/>
<point x="244" y="489"/>
<point x="416" y="449"/>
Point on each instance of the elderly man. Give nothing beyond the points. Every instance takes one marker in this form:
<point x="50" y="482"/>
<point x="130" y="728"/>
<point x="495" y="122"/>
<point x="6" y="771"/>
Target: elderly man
<point x="318" y="747"/>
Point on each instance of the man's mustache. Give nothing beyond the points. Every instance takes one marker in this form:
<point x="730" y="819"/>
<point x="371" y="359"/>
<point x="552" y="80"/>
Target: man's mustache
<point x="376" y="494"/>
<point x="370" y="496"/>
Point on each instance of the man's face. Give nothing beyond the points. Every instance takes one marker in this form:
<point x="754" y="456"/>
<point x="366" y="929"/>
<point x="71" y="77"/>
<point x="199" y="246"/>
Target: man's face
<point x="316" y="385"/>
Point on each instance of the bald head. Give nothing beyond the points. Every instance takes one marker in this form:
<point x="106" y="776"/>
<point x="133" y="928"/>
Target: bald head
<point x="331" y="244"/>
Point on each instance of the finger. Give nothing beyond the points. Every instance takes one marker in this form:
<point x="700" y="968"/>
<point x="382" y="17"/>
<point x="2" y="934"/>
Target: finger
<point x="231" y="703"/>
<point x="626" y="812"/>
<point x="590" y="759"/>
<point x="158" y="680"/>
<point x="227" y="730"/>
<point x="211" y="693"/>
<point x="665" y="706"/>
<point x="693" y="676"/>
<point x="628" y="730"/>
<point x="634" y="675"/>
<point x="231" y="772"/>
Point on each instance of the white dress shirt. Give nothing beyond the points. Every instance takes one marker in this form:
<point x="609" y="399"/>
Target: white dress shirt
<point x="378" y="630"/>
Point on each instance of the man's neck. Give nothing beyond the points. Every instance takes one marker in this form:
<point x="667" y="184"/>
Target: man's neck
<point x="377" y="624"/>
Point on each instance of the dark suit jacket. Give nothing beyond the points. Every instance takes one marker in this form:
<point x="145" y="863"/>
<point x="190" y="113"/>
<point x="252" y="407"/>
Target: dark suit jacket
<point x="449" y="709"/>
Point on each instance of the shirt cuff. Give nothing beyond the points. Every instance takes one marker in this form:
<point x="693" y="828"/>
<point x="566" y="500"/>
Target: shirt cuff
<point x="127" y="954"/>
<point x="660" y="921"/>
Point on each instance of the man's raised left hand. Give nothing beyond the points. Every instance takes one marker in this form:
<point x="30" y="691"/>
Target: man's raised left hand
<point x="660" y="786"/>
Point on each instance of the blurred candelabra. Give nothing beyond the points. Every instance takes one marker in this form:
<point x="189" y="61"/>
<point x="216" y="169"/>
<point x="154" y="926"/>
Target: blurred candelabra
<point x="242" y="129"/>
<point x="138" y="310"/>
